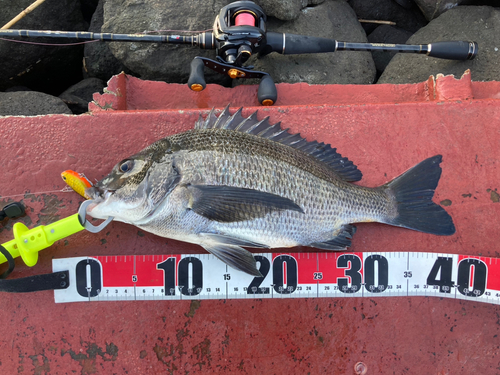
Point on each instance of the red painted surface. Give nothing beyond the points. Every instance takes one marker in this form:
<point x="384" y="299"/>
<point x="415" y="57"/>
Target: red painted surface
<point x="449" y="88"/>
<point x="389" y="335"/>
<point x="129" y="93"/>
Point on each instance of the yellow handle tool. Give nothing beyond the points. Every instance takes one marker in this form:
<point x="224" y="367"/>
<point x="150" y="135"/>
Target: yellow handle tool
<point x="28" y="242"/>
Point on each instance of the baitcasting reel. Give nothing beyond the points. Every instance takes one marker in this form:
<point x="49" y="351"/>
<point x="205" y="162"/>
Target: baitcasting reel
<point x="239" y="31"/>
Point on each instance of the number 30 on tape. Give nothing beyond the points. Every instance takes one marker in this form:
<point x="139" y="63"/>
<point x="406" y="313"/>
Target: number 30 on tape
<point x="291" y="275"/>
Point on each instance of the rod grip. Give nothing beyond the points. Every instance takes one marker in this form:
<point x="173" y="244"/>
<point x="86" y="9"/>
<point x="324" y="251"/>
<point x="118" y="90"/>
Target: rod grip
<point x="196" y="81"/>
<point x="456" y="50"/>
<point x="292" y="44"/>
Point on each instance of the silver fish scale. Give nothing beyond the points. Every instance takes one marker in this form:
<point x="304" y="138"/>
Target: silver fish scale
<point x="326" y="206"/>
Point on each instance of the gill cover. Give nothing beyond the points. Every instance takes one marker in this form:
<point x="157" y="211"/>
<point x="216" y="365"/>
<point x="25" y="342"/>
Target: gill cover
<point x="134" y="188"/>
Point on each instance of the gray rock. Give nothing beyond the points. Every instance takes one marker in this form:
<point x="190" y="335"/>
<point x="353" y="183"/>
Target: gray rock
<point x="433" y="8"/>
<point x="30" y="103"/>
<point x="78" y="96"/>
<point x="285" y="10"/>
<point x="389" y="35"/>
<point x="469" y="23"/>
<point x="170" y="63"/>
<point x="98" y="60"/>
<point x="331" y="19"/>
<point x="46" y="68"/>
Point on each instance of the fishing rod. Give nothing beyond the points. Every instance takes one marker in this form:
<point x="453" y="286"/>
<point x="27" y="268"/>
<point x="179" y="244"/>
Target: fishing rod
<point x="239" y="31"/>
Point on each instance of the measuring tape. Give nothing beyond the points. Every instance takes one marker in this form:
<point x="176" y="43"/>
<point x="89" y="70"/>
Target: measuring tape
<point x="290" y="275"/>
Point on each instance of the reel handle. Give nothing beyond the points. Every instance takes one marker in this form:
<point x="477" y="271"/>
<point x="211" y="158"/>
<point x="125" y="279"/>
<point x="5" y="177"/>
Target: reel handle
<point x="267" y="93"/>
<point x="196" y="81"/>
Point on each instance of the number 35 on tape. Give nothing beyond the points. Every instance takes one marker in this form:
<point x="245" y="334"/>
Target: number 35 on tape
<point x="291" y="275"/>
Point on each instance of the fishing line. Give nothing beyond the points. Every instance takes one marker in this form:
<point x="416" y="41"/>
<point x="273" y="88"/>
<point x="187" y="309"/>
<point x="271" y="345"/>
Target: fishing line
<point x="175" y="31"/>
<point x="50" y="44"/>
<point x="65" y="189"/>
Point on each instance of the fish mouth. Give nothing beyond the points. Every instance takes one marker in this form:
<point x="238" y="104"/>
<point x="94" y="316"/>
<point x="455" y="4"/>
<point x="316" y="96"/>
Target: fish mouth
<point x="98" y="195"/>
<point x="104" y="204"/>
<point x="96" y="192"/>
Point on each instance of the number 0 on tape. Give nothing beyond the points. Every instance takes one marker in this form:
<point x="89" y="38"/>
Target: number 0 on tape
<point x="297" y="275"/>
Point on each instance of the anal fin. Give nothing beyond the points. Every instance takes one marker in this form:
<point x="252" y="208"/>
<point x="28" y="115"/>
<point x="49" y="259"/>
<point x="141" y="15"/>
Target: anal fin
<point x="340" y="242"/>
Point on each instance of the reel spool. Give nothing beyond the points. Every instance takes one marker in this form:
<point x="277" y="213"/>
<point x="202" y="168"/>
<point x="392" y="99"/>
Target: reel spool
<point x="244" y="18"/>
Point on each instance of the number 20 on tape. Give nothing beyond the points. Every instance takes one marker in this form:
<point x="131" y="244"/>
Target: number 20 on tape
<point x="291" y="275"/>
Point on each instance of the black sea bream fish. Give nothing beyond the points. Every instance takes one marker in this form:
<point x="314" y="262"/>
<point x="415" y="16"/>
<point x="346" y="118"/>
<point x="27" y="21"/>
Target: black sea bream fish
<point x="235" y="182"/>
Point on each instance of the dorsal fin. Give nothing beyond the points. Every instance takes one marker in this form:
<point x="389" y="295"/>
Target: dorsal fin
<point x="344" y="168"/>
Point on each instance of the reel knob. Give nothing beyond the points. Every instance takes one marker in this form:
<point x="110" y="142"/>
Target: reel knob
<point x="267" y="93"/>
<point x="196" y="81"/>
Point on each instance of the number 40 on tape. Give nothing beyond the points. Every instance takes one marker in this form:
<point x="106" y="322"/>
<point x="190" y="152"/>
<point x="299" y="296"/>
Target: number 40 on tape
<point x="290" y="275"/>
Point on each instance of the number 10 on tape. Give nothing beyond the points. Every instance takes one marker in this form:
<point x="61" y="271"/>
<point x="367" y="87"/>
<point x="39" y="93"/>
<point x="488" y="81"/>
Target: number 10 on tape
<point x="291" y="275"/>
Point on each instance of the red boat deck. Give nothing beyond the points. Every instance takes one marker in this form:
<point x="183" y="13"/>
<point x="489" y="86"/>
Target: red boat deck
<point x="384" y="129"/>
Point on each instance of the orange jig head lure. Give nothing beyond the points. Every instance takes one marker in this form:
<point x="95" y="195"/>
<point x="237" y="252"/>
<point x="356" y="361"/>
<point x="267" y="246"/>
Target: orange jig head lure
<point x="77" y="181"/>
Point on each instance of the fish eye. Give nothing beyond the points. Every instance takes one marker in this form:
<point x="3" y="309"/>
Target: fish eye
<point x="126" y="166"/>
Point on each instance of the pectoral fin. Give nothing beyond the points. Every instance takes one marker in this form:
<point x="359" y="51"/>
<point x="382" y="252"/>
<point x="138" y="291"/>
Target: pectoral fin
<point x="229" y="204"/>
<point x="234" y="256"/>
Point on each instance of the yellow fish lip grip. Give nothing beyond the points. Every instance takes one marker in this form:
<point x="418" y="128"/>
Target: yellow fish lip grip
<point x="28" y="242"/>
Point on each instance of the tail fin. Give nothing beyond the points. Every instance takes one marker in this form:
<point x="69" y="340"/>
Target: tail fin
<point x="413" y="192"/>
